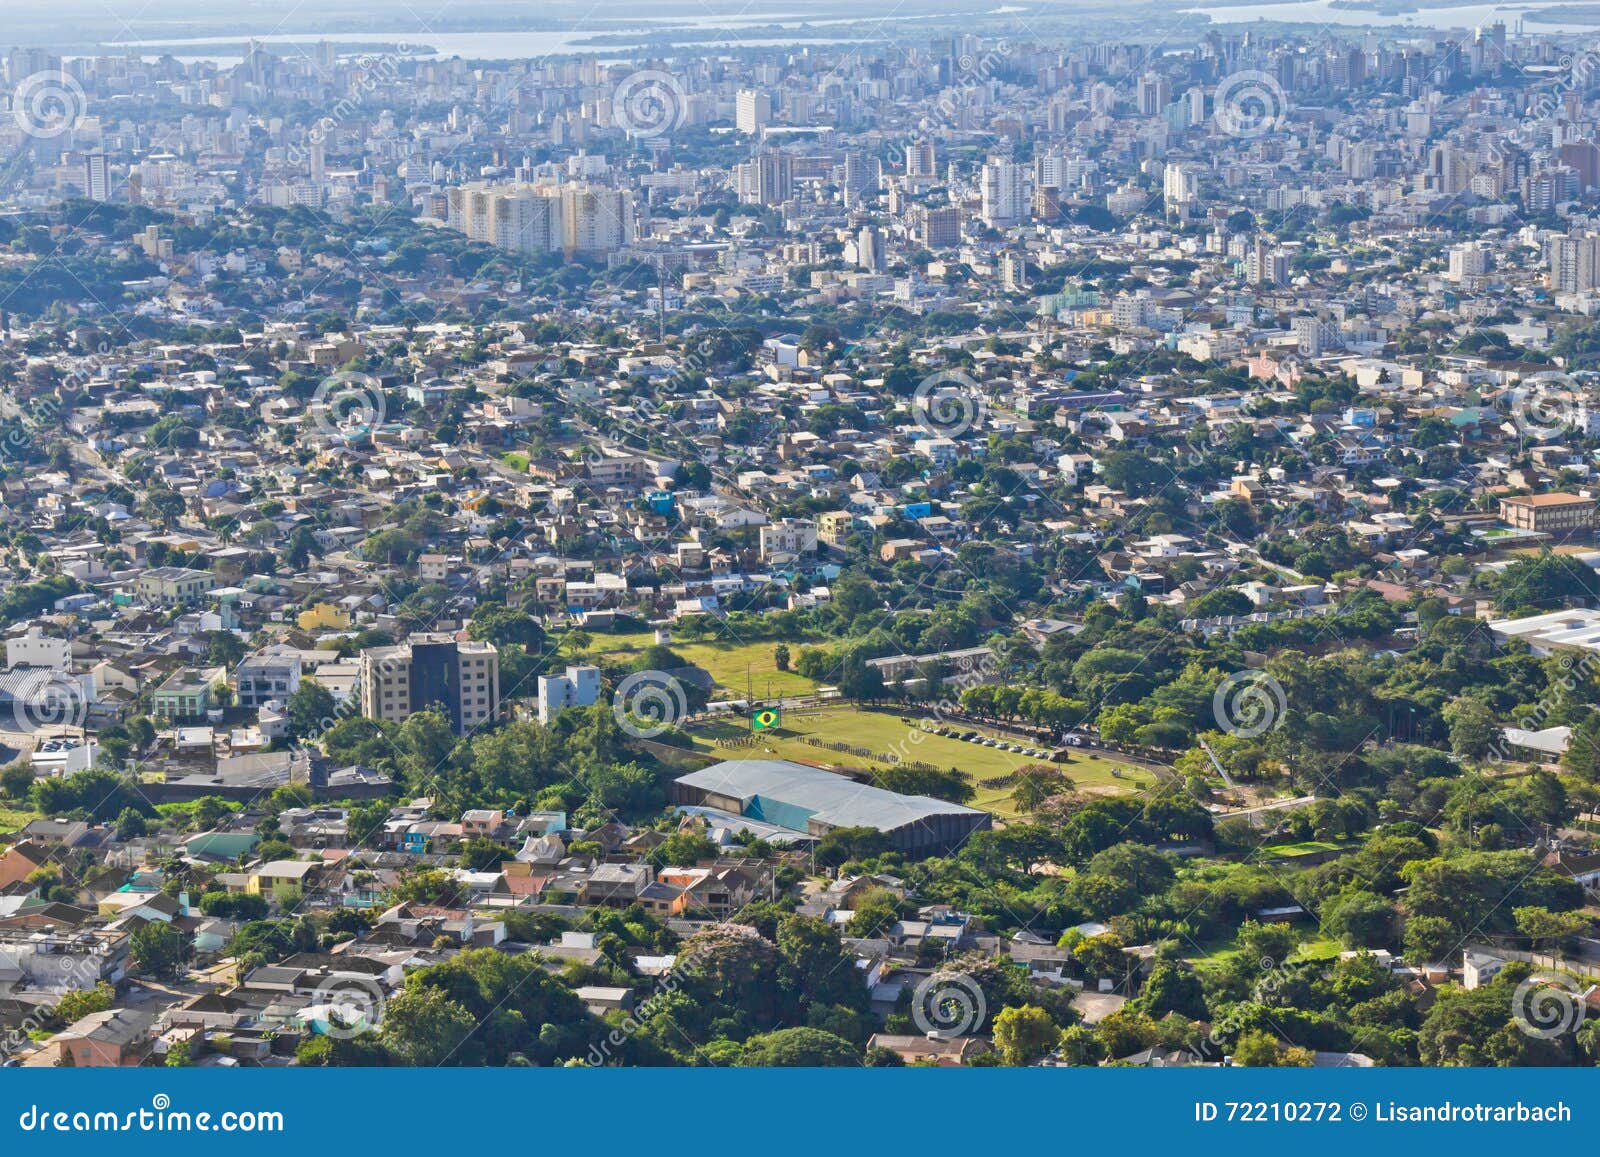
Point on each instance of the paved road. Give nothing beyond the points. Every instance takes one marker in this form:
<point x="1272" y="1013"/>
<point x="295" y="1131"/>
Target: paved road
<point x="1275" y="806"/>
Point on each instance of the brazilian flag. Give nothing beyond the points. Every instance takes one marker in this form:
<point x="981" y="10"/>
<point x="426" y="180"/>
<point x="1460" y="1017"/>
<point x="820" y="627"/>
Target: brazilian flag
<point x="766" y="718"/>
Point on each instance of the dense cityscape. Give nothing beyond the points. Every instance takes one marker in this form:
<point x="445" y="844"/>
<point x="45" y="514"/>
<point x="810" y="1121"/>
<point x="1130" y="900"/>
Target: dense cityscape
<point x="869" y="544"/>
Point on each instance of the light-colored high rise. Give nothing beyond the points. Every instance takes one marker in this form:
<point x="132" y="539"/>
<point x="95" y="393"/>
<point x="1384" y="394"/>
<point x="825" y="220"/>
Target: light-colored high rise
<point x="96" y="177"/>
<point x="595" y="219"/>
<point x="575" y="218"/>
<point x="1575" y="263"/>
<point x="1472" y="259"/>
<point x="766" y="179"/>
<point x="752" y="110"/>
<point x="1004" y="192"/>
<point x="1181" y="186"/>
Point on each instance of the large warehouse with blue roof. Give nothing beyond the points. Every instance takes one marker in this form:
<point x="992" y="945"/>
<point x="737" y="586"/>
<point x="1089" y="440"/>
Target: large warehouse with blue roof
<point x="815" y="801"/>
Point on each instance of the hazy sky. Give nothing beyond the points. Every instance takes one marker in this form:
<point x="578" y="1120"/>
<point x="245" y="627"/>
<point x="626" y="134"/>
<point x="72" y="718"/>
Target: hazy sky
<point x="57" y="23"/>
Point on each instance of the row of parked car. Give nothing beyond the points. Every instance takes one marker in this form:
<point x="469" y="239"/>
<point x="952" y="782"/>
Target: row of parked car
<point x="983" y="740"/>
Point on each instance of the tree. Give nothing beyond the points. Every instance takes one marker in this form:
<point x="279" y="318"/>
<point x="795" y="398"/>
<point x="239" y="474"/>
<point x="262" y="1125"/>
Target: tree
<point x="130" y="824"/>
<point x="814" y="969"/>
<point x="732" y="970"/>
<point x="683" y="849"/>
<point x="1267" y="943"/>
<point x="1035" y="783"/>
<point x="1259" y="1049"/>
<point x="1024" y="1034"/>
<point x="503" y="626"/>
<point x="483" y="1007"/>
<point x="1478" y="1028"/>
<point x="1142" y="869"/>
<point x="1173" y="987"/>
<point x="780" y="656"/>
<point x="842" y="845"/>
<point x="1081" y="1045"/>
<point x="875" y="912"/>
<point x="910" y="779"/>
<point x="96" y="794"/>
<point x="16" y="779"/>
<point x="76" y="1005"/>
<point x="858" y="681"/>
<point x="234" y="905"/>
<point x="1582" y="756"/>
<point x="1550" y="930"/>
<point x="1544" y="582"/>
<point x="422" y="1026"/>
<point x="879" y="1057"/>
<point x="311" y="709"/>
<point x="796" y="1048"/>
<point x="480" y="854"/>
<point x="1473" y="730"/>
<point x="1102" y="957"/>
<point x="159" y="949"/>
<point x="209" y="811"/>
<point x="1429" y="940"/>
<point x="1361" y="920"/>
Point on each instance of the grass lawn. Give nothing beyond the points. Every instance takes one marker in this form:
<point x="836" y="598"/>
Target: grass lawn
<point x="1217" y="952"/>
<point x="1319" y="948"/>
<point x="726" y="660"/>
<point x="883" y="732"/>
<point x="1303" y="848"/>
<point x="13" y="819"/>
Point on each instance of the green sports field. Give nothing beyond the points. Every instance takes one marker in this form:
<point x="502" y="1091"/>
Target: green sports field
<point x="885" y="732"/>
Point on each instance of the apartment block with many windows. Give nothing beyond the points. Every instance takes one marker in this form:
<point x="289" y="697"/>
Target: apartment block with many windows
<point x="462" y="676"/>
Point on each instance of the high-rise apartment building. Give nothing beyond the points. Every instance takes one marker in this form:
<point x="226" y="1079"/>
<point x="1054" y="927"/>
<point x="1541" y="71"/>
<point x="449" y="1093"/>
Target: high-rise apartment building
<point x="1004" y="192"/>
<point x="1575" y="263"/>
<point x="461" y="676"/>
<point x="752" y="111"/>
<point x="575" y="218"/>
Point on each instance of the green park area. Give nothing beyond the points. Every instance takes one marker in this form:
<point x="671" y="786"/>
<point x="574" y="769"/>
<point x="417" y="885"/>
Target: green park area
<point x="1303" y="848"/>
<point x="866" y="738"/>
<point x="736" y="666"/>
<point x="1216" y="952"/>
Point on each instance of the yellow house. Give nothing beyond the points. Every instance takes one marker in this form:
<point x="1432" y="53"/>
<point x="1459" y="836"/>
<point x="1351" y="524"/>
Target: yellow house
<point x="280" y="873"/>
<point x="323" y="617"/>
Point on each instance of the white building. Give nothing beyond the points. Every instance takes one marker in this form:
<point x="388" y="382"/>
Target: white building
<point x="35" y="649"/>
<point x="788" y="536"/>
<point x="752" y="111"/>
<point x="1004" y="190"/>
<point x="579" y="687"/>
<point x="1473" y="259"/>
